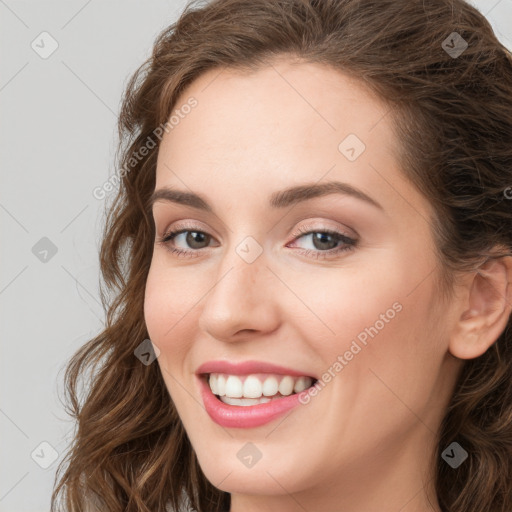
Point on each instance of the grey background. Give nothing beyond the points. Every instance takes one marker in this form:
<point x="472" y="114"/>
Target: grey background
<point x="58" y="135"/>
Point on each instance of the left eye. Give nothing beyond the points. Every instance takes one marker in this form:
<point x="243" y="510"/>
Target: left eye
<point x="326" y="240"/>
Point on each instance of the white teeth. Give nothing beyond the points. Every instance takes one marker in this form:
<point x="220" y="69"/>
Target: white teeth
<point x="270" y="386"/>
<point x="234" y="387"/>
<point x="253" y="388"/>
<point x="244" y="401"/>
<point x="213" y="383"/>
<point x="221" y="385"/>
<point x="286" y="385"/>
<point x="302" y="383"/>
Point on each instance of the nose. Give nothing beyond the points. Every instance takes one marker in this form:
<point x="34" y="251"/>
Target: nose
<point x="242" y="300"/>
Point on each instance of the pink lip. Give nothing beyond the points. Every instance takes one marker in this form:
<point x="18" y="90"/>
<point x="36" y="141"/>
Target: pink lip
<point x="236" y="416"/>
<point x="247" y="367"/>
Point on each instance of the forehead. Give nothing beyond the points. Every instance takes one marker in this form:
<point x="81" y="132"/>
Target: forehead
<point x="286" y="110"/>
<point x="287" y="123"/>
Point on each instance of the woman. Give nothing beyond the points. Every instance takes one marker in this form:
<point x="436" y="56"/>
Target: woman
<point x="311" y="266"/>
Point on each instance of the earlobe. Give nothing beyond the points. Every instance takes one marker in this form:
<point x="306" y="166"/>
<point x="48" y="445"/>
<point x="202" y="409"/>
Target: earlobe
<point x="485" y="310"/>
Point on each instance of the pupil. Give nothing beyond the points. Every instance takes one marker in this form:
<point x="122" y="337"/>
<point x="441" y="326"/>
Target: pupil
<point x="320" y="237"/>
<point x="191" y="240"/>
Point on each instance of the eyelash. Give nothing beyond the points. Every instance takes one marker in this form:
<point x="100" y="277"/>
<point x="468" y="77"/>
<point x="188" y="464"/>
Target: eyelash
<point x="350" y="243"/>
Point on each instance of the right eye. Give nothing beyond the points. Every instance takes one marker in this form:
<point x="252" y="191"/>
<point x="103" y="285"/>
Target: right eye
<point x="192" y="237"/>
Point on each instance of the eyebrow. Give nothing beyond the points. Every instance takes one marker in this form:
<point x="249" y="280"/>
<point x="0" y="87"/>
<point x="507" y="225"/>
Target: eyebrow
<point x="280" y="199"/>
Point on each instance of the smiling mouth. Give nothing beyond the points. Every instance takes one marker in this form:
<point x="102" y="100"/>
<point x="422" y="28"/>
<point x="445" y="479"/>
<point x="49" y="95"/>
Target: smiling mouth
<point x="257" y="388"/>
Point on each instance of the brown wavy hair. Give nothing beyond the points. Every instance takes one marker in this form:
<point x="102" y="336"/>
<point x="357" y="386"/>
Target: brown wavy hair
<point x="453" y="119"/>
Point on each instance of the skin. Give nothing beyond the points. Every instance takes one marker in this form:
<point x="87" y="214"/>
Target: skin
<point x="361" y="443"/>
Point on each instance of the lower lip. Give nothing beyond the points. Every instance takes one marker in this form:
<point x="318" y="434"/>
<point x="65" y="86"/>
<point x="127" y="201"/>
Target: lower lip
<point x="239" y="416"/>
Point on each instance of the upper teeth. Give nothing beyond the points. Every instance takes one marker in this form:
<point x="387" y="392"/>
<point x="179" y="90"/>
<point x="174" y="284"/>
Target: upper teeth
<point x="255" y="386"/>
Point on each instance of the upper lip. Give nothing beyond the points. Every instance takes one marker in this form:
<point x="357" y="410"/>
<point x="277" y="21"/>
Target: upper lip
<point x="247" y="367"/>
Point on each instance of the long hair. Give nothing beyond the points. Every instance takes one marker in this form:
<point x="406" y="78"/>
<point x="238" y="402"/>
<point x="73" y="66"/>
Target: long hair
<point x="451" y="112"/>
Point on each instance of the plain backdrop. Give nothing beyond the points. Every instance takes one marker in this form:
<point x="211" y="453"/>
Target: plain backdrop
<point x="63" y="68"/>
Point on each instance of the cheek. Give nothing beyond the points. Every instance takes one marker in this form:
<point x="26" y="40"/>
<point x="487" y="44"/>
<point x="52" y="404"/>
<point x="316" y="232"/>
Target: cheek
<point x="168" y="308"/>
<point x="167" y="313"/>
<point x="373" y="319"/>
<point x="350" y="302"/>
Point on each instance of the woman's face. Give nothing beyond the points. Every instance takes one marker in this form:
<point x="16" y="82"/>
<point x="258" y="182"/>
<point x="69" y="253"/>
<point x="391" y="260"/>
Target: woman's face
<point x="262" y="282"/>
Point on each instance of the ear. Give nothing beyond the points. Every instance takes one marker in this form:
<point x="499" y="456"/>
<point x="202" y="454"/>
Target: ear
<point x="485" y="310"/>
